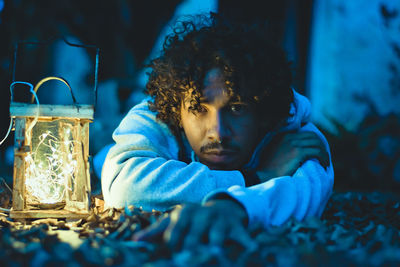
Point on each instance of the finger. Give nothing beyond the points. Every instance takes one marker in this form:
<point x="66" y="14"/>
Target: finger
<point x="218" y="233"/>
<point x="152" y="233"/>
<point x="312" y="140"/>
<point x="178" y="227"/>
<point x="199" y="228"/>
<point x="285" y="136"/>
<point x="320" y="154"/>
<point x="306" y="135"/>
<point x="239" y="234"/>
<point x="325" y="159"/>
<point x="309" y="142"/>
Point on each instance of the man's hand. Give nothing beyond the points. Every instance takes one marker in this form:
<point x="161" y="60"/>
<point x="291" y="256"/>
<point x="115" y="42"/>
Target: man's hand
<point x="214" y="223"/>
<point x="288" y="151"/>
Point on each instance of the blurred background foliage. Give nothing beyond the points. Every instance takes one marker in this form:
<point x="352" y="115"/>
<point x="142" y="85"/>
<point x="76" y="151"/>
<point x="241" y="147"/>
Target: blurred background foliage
<point x="367" y="159"/>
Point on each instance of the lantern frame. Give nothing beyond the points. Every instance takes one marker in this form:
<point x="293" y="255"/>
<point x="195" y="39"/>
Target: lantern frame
<point x="75" y="202"/>
<point x="80" y="116"/>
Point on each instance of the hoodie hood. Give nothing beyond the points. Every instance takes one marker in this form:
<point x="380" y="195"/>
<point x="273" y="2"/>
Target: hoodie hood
<point x="300" y="112"/>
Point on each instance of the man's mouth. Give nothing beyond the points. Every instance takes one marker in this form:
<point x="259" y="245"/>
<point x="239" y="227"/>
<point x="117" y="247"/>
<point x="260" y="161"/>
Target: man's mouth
<point x="220" y="151"/>
<point x="220" y="155"/>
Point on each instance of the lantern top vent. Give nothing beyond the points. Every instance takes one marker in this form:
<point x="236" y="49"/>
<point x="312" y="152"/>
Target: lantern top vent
<point x="62" y="111"/>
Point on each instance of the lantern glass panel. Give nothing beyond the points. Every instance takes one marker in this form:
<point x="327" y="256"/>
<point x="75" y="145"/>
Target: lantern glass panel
<point x="52" y="163"/>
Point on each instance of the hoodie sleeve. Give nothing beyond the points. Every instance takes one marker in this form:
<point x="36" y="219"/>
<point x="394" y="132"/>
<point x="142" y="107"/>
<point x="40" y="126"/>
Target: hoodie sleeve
<point x="143" y="169"/>
<point x="301" y="195"/>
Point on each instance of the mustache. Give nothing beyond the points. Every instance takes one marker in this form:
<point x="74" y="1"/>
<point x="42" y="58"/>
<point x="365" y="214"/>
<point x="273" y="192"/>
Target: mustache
<point x="216" y="145"/>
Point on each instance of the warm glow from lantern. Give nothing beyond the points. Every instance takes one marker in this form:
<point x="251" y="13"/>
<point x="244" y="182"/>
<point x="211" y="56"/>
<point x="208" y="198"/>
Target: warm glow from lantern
<point x="50" y="166"/>
<point x="51" y="177"/>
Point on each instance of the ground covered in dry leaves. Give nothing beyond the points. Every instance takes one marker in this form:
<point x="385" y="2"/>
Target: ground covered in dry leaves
<point x="356" y="229"/>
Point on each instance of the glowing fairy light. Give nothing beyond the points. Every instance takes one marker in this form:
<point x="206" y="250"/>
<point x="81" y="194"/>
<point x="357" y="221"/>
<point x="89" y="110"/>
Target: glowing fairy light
<point x="50" y="166"/>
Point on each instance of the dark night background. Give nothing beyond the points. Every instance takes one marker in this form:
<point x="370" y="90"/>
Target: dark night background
<point x="362" y="126"/>
<point x="346" y="60"/>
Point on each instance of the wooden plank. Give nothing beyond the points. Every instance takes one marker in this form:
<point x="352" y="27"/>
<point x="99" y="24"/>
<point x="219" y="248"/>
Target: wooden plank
<point x="20" y="152"/>
<point x="19" y="136"/>
<point x="63" y="111"/>
<point x="76" y="206"/>
<point x="18" y="199"/>
<point x="85" y="141"/>
<point x="80" y="197"/>
<point x="36" y="214"/>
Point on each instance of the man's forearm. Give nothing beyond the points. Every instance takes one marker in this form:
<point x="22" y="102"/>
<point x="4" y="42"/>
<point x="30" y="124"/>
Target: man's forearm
<point x="273" y="202"/>
<point x="158" y="183"/>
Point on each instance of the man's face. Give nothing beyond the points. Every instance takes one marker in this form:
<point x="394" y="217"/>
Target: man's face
<point x="224" y="133"/>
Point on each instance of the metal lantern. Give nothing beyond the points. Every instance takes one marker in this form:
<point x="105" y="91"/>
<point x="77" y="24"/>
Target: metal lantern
<point x="51" y="152"/>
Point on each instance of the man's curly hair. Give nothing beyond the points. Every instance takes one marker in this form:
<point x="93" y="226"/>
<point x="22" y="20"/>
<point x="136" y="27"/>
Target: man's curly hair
<point x="254" y="67"/>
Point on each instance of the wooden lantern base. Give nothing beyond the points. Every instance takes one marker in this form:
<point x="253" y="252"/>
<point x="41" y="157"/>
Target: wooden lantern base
<point x="38" y="214"/>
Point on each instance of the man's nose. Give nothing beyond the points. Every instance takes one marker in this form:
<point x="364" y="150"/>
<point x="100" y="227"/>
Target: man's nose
<point x="219" y="127"/>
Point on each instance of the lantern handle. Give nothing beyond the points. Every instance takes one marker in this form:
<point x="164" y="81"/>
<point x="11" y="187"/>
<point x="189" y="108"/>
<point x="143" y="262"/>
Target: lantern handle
<point x="42" y="81"/>
<point x="96" y="67"/>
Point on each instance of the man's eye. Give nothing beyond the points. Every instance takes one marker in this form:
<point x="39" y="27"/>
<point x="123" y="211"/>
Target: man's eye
<point x="238" y="109"/>
<point x="202" y="109"/>
<point x="198" y="110"/>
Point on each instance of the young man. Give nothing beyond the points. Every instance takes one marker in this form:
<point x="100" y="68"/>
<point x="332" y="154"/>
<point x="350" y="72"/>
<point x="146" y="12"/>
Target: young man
<point x="221" y="127"/>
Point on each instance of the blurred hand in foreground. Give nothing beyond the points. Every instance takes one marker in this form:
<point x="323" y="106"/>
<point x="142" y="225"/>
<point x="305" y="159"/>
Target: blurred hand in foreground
<point x="214" y="223"/>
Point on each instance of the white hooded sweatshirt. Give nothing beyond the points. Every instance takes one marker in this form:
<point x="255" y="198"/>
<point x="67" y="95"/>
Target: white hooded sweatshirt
<point x="143" y="169"/>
